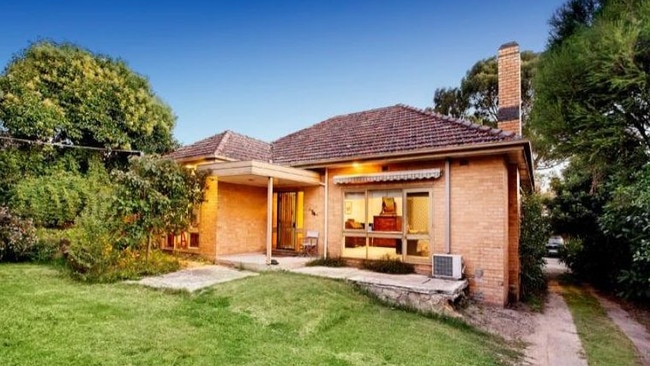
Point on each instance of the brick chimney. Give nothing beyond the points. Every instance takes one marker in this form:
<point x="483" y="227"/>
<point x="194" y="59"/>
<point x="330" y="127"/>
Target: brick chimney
<point x="509" y="113"/>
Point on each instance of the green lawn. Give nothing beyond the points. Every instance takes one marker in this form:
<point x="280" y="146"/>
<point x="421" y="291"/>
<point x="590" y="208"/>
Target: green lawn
<point x="272" y="319"/>
<point x="603" y="342"/>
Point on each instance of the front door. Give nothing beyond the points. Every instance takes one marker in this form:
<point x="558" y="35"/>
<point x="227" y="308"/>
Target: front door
<point x="289" y="225"/>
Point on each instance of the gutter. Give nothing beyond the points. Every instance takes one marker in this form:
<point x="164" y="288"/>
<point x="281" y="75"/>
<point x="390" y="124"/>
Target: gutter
<point x="453" y="151"/>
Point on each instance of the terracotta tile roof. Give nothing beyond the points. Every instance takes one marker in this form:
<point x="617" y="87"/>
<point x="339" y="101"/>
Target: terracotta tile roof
<point x="227" y="144"/>
<point x="384" y="130"/>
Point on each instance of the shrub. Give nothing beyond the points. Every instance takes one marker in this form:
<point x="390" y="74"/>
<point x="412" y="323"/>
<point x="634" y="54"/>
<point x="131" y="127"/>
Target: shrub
<point x="94" y="255"/>
<point x="56" y="199"/>
<point x="17" y="236"/>
<point x="49" y="246"/>
<point x="534" y="232"/>
<point x="327" y="262"/>
<point x="388" y="265"/>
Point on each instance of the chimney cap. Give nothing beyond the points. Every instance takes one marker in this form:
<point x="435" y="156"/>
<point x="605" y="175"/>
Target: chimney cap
<point x="508" y="45"/>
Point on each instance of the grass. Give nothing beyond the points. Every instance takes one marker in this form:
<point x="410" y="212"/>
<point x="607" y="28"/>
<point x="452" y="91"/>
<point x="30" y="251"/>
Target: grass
<point x="273" y="319"/>
<point x="603" y="342"/>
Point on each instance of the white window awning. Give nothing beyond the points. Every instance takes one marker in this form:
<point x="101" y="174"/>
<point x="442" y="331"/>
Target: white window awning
<point x="388" y="176"/>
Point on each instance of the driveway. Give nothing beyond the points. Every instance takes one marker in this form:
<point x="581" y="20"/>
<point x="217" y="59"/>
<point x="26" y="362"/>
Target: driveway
<point x="555" y="340"/>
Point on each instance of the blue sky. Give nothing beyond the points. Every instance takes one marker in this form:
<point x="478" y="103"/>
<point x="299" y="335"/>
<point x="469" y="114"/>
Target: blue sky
<point x="268" y="68"/>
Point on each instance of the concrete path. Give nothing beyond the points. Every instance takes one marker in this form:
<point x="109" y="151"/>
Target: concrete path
<point x="636" y="332"/>
<point x="555" y="340"/>
<point x="193" y="279"/>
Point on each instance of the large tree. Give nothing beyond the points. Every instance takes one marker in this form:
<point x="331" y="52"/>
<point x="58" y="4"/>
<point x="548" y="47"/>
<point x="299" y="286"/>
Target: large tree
<point x="570" y="18"/>
<point x="477" y="97"/>
<point x="63" y="93"/>
<point x="593" y="91"/>
<point x="592" y="106"/>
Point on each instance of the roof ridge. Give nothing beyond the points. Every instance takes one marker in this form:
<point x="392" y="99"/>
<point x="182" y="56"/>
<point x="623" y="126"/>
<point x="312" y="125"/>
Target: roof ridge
<point x="222" y="142"/>
<point x="460" y="121"/>
<point x="231" y="132"/>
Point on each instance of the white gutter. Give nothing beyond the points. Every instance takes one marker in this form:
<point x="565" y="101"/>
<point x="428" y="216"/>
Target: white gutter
<point x="447" y="207"/>
<point x="325" y="236"/>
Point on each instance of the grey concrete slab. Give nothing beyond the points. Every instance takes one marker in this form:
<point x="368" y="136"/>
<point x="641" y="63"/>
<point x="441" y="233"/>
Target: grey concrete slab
<point x="555" y="340"/>
<point x="193" y="279"/>
<point x="413" y="282"/>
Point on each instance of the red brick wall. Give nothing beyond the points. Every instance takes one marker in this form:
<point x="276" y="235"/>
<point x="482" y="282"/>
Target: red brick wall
<point x="509" y="63"/>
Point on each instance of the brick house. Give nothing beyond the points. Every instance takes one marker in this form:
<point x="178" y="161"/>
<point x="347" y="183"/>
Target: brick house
<point x="393" y="182"/>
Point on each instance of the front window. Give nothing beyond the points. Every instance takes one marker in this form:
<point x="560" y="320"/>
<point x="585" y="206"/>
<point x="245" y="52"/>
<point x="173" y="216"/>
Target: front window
<point x="392" y="223"/>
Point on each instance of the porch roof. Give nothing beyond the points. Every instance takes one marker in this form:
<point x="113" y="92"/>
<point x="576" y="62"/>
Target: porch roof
<point x="256" y="173"/>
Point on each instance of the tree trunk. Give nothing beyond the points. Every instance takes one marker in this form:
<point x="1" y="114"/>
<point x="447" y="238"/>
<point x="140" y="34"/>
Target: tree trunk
<point x="148" y="248"/>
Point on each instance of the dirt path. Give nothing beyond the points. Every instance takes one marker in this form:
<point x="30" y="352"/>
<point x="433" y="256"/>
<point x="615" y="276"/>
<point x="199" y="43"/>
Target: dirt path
<point x="636" y="332"/>
<point x="555" y="340"/>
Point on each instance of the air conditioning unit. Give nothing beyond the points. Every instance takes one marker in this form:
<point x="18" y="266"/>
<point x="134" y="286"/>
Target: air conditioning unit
<point x="447" y="266"/>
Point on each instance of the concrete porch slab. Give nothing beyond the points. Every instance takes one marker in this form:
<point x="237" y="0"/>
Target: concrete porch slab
<point x="257" y="262"/>
<point x="193" y="279"/>
<point x="412" y="282"/>
<point x="423" y="293"/>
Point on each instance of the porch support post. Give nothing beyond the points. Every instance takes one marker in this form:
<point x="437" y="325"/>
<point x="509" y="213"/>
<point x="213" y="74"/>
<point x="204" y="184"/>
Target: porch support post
<point x="269" y="219"/>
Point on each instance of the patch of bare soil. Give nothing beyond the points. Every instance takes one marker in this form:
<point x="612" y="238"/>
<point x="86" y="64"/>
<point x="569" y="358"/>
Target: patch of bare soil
<point x="512" y="323"/>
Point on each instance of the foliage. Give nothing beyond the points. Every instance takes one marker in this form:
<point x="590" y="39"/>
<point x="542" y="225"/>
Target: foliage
<point x="575" y="210"/>
<point x="327" y="262"/>
<point x="591" y="106"/>
<point x="17" y="236"/>
<point x="63" y="93"/>
<point x="55" y="199"/>
<point x="570" y="18"/>
<point x="50" y="245"/>
<point x="477" y="97"/>
<point x="93" y="255"/>
<point x="155" y="196"/>
<point x="534" y="232"/>
<point x="591" y="92"/>
<point x="626" y="219"/>
<point x="388" y="265"/>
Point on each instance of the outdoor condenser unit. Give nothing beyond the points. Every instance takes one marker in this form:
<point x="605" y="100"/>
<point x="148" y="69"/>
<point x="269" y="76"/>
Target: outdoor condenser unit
<point x="447" y="266"/>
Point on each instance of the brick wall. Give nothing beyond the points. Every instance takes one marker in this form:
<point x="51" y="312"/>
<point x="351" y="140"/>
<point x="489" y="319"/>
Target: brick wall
<point x="514" y="212"/>
<point x="314" y="200"/>
<point x="479" y="224"/>
<point x="241" y="219"/>
<point x="509" y="65"/>
<point x="208" y="217"/>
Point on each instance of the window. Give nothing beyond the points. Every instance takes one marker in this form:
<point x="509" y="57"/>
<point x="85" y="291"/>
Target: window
<point x="194" y="240"/>
<point x="418" y="224"/>
<point x="389" y="222"/>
